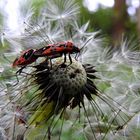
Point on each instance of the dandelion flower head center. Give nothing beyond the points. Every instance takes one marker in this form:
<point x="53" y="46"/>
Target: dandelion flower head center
<point x="71" y="77"/>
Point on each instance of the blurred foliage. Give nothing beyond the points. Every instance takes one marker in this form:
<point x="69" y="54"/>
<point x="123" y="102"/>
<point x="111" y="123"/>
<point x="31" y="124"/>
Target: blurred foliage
<point x="131" y="29"/>
<point x="102" y="20"/>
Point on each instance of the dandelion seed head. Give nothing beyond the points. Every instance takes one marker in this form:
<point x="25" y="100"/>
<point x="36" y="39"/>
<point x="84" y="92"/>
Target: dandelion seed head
<point x="71" y="78"/>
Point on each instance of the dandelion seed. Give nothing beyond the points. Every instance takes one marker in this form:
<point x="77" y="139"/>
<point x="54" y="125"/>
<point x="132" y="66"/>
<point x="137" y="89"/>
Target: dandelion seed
<point x="60" y="10"/>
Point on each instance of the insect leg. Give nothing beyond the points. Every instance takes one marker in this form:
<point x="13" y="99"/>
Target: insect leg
<point x="50" y="63"/>
<point x="70" y="59"/>
<point x="65" y="57"/>
<point x="76" y="57"/>
<point x="63" y="65"/>
<point x="18" y="73"/>
<point x="20" y="70"/>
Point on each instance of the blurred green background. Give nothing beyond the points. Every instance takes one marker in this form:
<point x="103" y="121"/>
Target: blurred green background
<point x="115" y="18"/>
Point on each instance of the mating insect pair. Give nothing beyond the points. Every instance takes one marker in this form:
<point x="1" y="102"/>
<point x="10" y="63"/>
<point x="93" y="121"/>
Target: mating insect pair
<point x="50" y="51"/>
